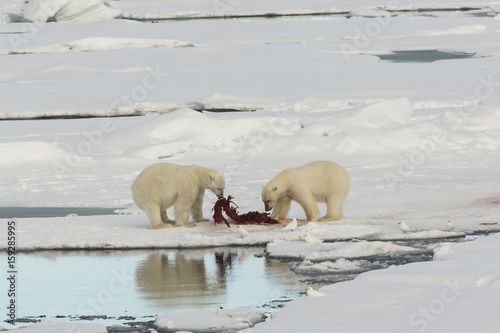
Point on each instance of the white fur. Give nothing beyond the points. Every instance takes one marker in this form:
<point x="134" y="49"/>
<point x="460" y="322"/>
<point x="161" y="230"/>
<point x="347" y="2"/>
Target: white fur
<point x="320" y="181"/>
<point x="163" y="185"/>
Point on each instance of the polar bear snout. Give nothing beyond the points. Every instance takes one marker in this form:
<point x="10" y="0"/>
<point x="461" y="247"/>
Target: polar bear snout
<point x="219" y="193"/>
<point x="217" y="183"/>
<point x="268" y="205"/>
<point x="269" y="196"/>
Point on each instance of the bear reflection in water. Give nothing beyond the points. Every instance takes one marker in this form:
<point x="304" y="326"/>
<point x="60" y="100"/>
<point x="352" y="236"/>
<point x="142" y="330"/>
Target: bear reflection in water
<point x="180" y="278"/>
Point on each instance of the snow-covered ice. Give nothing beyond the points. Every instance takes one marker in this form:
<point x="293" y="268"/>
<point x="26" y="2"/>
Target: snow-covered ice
<point x="93" y="44"/>
<point x="420" y="140"/>
<point x="456" y="292"/>
<point x="68" y="11"/>
<point x="209" y="320"/>
<point x="132" y="232"/>
<point x="341" y="265"/>
<point x="332" y="251"/>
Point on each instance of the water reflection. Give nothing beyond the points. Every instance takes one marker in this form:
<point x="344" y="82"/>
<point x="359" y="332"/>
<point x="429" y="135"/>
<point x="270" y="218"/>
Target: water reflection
<point x="143" y="283"/>
<point x="176" y="279"/>
<point x="194" y="279"/>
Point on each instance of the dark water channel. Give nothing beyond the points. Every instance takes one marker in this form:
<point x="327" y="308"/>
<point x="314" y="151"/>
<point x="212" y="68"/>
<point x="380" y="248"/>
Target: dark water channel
<point x="27" y="212"/>
<point x="462" y="11"/>
<point x="422" y="56"/>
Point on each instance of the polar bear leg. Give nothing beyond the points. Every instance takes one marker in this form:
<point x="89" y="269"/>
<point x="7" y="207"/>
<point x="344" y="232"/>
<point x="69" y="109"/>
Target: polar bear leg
<point x="310" y="207"/>
<point x="164" y="216"/>
<point x="181" y="211"/>
<point x="334" y="209"/>
<point x="155" y="220"/>
<point x="281" y="208"/>
<point x="197" y="208"/>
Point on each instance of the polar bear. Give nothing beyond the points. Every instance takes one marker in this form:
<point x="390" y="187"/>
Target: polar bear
<point x="320" y="181"/>
<point x="163" y="185"/>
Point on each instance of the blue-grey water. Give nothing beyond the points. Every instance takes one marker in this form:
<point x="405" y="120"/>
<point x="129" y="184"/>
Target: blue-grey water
<point x="422" y="56"/>
<point x="145" y="283"/>
<point x="27" y="212"/>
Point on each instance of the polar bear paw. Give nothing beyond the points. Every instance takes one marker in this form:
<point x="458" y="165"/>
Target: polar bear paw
<point x="163" y="226"/>
<point x="186" y="225"/>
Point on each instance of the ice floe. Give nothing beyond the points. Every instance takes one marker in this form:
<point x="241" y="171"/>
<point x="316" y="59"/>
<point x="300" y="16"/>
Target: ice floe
<point x="210" y="320"/>
<point x="68" y="11"/>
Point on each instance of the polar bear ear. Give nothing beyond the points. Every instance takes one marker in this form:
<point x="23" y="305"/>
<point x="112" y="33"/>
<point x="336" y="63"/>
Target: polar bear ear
<point x="275" y="188"/>
<point x="212" y="177"/>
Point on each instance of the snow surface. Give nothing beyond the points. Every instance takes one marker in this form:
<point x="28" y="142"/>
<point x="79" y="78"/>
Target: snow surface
<point x="420" y="140"/>
<point x="456" y="292"/>
<point x="67" y="11"/>
<point x="332" y="251"/>
<point x="93" y="44"/>
<point x="132" y="232"/>
<point x="209" y="320"/>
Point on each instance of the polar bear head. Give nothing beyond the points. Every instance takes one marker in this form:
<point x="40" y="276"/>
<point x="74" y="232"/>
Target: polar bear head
<point x="270" y="194"/>
<point x="216" y="183"/>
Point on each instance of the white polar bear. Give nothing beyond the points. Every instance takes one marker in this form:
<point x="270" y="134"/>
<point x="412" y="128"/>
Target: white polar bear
<point x="163" y="185"/>
<point x="320" y="181"/>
